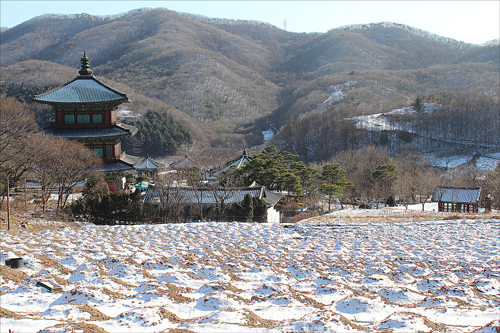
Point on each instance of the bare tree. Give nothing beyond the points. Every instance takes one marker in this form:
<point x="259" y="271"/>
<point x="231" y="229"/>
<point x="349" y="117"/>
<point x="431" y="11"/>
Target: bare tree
<point x="447" y="155"/>
<point x="75" y="163"/>
<point x="492" y="186"/>
<point x="467" y="175"/>
<point x="383" y="178"/>
<point x="62" y="167"/>
<point x="411" y="168"/>
<point x="164" y="190"/>
<point x="359" y="166"/>
<point x="426" y="182"/>
<point x="19" y="147"/>
<point x="228" y="180"/>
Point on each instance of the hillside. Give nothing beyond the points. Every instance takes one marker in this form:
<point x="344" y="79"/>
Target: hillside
<point x="229" y="80"/>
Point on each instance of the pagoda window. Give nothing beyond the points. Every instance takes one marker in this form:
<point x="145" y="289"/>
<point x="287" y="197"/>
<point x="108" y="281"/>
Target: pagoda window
<point x="97" y="118"/>
<point x="69" y="119"/>
<point x="98" y="151"/>
<point x="83" y="118"/>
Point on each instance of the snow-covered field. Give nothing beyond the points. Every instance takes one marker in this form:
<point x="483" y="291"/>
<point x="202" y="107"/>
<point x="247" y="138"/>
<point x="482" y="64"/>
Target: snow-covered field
<point x="348" y="271"/>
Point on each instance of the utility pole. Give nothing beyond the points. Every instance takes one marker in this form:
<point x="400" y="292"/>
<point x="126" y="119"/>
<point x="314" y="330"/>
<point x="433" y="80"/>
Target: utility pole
<point x="25" y="198"/>
<point x="8" y="204"/>
<point x="284" y="24"/>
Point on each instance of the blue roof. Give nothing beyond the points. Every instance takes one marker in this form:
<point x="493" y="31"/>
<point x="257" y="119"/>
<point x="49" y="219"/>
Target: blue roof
<point x="84" y="133"/>
<point x="83" y="89"/>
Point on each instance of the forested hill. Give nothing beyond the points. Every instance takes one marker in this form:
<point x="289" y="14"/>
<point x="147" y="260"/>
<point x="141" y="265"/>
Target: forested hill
<point x="228" y="80"/>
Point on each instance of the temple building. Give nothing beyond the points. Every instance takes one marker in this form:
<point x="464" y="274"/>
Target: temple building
<point x="86" y="110"/>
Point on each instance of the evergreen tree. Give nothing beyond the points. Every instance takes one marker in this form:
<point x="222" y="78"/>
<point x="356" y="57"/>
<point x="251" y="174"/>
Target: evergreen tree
<point x="418" y="105"/>
<point x="248" y="210"/>
<point x="333" y="181"/>
<point x="276" y="170"/>
<point x="259" y="210"/>
<point x="158" y="134"/>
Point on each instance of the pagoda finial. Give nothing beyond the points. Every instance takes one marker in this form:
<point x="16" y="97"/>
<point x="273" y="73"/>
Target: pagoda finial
<point x="85" y="65"/>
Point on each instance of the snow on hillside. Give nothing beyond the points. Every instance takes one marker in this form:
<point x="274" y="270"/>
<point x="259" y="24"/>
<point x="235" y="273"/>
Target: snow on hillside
<point x="335" y="273"/>
<point x="379" y="122"/>
<point x="408" y="29"/>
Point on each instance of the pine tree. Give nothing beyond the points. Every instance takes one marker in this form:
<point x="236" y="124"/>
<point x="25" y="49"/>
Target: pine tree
<point x="248" y="208"/>
<point x="418" y="105"/>
<point x="333" y="181"/>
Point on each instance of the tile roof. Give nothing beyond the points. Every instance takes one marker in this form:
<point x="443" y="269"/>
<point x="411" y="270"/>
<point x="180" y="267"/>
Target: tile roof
<point x="470" y="195"/>
<point x="206" y="195"/>
<point x="82" y="133"/>
<point x="83" y="89"/>
<point x="185" y="163"/>
<point x="238" y="163"/>
<point x="132" y="160"/>
<point x="116" y="166"/>
<point x="149" y="164"/>
<point x="128" y="162"/>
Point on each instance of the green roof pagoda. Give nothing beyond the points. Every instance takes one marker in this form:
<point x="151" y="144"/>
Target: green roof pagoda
<point x="86" y="110"/>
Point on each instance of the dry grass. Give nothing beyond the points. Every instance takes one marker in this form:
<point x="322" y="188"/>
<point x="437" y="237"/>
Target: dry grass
<point x="308" y="300"/>
<point x="14" y="275"/>
<point x="347" y="322"/>
<point x="34" y="221"/>
<point x="400" y="216"/>
<point x="113" y="294"/>
<point x="255" y="321"/>
<point x="177" y="330"/>
<point x="95" y="315"/>
<point x="52" y="263"/>
<point x="174" y="293"/>
<point x="172" y="317"/>
<point x="4" y="313"/>
<point x="86" y="327"/>
<point x="303" y="216"/>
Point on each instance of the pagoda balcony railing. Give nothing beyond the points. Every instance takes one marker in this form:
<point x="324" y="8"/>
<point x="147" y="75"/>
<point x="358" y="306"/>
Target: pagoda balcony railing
<point x="77" y="125"/>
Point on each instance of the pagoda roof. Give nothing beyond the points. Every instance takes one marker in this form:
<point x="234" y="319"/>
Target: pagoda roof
<point x="238" y="163"/>
<point x="185" y="163"/>
<point x="149" y="164"/>
<point x="83" y="89"/>
<point x="132" y="160"/>
<point x="87" y="133"/>
<point x="127" y="162"/>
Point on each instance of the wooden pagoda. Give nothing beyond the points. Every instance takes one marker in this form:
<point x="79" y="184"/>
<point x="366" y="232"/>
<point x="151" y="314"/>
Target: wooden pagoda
<point x="86" y="110"/>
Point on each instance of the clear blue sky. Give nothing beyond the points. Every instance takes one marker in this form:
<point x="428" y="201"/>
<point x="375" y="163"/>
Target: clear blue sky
<point x="469" y="21"/>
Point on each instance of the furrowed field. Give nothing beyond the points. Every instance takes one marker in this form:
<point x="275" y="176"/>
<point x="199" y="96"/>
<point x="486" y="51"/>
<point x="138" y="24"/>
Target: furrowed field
<point x="348" y="271"/>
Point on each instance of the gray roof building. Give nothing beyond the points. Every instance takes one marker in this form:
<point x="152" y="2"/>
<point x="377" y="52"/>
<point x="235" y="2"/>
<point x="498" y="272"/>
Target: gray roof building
<point x="465" y="195"/>
<point x="457" y="199"/>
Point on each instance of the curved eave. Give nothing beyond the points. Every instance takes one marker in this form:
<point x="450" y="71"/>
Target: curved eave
<point x="90" y="133"/>
<point x="83" y="89"/>
<point x="131" y="129"/>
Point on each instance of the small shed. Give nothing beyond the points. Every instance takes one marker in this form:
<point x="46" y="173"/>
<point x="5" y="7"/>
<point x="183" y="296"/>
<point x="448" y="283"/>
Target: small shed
<point x="458" y="199"/>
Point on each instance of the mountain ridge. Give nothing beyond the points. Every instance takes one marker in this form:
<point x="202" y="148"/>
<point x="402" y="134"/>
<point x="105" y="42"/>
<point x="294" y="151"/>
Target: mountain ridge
<point x="233" y="78"/>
